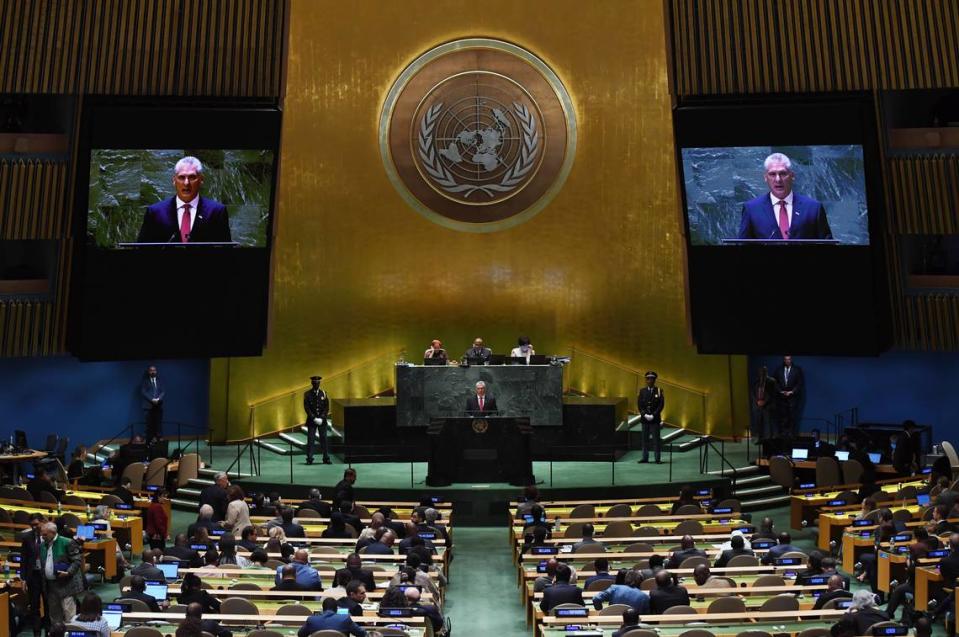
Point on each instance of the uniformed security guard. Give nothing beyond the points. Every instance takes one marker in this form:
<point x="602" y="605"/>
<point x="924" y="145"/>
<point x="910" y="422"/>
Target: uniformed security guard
<point x="317" y="407"/>
<point x="651" y="401"/>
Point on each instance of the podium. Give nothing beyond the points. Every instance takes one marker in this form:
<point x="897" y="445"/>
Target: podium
<point x="479" y="449"/>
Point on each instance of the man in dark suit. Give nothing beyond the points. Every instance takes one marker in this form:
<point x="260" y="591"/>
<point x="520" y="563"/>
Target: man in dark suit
<point x="780" y="549"/>
<point x="316" y="404"/>
<point x="147" y="568"/>
<point x="430" y="611"/>
<point x="186" y="217"/>
<point x="152" y="393"/>
<point x="738" y="548"/>
<point x="215" y="496"/>
<point x="481" y="403"/>
<point x="182" y="551"/>
<point x="782" y="214"/>
<point x="863" y="612"/>
<point x="31" y="569"/>
<point x="288" y="580"/>
<point x="561" y="592"/>
<point x="763" y="395"/>
<point x="789" y="379"/>
<point x="133" y="451"/>
<point x="344" y="488"/>
<point x="137" y="590"/>
<point x="834" y="590"/>
<point x="630" y="622"/>
<point x="317" y="504"/>
<point x="42" y="483"/>
<point x="330" y="620"/>
<point x="821" y="448"/>
<point x="354" y="566"/>
<point x="478" y="354"/>
<point x="383" y="544"/>
<point x="355" y="596"/>
<point x="290" y="528"/>
<point x="687" y="549"/>
<point x="666" y="594"/>
<point x="651" y="401"/>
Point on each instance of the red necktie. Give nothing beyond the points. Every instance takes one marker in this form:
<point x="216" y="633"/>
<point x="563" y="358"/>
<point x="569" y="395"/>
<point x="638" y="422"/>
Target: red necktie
<point x="481" y="403"/>
<point x="185" y="224"/>
<point x="783" y="219"/>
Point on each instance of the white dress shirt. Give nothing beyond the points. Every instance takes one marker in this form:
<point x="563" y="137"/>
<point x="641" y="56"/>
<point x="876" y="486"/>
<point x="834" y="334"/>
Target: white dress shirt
<point x="179" y="211"/>
<point x="789" y="207"/>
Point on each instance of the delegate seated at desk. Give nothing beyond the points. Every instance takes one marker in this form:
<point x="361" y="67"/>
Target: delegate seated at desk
<point x="435" y="351"/>
<point x="480" y="403"/>
<point x="478" y="353"/>
<point x="524" y="349"/>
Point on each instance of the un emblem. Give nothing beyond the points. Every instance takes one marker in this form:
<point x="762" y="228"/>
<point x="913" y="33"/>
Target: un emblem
<point x="478" y="135"/>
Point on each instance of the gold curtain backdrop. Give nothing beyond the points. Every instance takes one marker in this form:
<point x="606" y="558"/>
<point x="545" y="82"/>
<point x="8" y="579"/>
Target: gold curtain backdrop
<point x="358" y="275"/>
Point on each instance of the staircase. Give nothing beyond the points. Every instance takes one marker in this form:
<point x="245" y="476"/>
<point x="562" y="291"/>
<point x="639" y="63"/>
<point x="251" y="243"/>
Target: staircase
<point x="674" y="438"/>
<point x="755" y="488"/>
<point x="287" y="443"/>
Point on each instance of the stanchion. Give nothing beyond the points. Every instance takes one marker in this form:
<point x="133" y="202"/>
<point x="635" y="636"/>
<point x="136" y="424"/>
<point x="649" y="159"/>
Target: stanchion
<point x="291" y="460"/>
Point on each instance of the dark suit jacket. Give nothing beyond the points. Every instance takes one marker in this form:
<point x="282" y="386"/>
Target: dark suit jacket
<point x="795" y="383"/>
<point x="29" y="552"/>
<point x="148" y="572"/>
<point x="729" y="554"/>
<point x="360" y="574"/>
<point x="651" y="401"/>
<point x="288" y="585"/>
<point x="678" y="556"/>
<point x="831" y="595"/>
<point x="149" y="600"/>
<point x="761" y="221"/>
<point x="865" y="618"/>
<point x="662" y="598"/>
<point x="124" y="494"/>
<point x="561" y="594"/>
<point x="319" y="506"/>
<point x="489" y="404"/>
<point x="949" y="568"/>
<point x="210" y="223"/>
<point x="483" y="353"/>
<point x="378" y="548"/>
<point x="353" y="605"/>
<point x="215" y="496"/>
<point x="146" y="391"/>
<point x="185" y="554"/>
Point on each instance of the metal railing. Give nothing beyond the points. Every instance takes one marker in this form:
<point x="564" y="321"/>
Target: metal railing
<point x="284" y="411"/>
<point x="594" y="375"/>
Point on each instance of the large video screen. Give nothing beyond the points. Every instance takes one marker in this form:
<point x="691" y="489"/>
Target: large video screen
<point x="782" y="211"/>
<point x="176" y="202"/>
<point x="735" y="195"/>
<point x="149" y="197"/>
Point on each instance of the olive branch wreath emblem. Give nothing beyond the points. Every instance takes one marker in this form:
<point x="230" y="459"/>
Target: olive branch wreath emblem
<point x="434" y="166"/>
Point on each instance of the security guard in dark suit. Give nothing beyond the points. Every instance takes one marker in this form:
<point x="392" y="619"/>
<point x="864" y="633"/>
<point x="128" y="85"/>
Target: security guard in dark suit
<point x="317" y="407"/>
<point x="651" y="401"/>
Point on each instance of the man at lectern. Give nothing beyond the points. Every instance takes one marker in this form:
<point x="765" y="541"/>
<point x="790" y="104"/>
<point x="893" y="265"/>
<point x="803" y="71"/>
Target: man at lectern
<point x="478" y="354"/>
<point x="651" y="402"/>
<point x="317" y="407"/>
<point x="481" y="403"/>
<point x="186" y="217"/>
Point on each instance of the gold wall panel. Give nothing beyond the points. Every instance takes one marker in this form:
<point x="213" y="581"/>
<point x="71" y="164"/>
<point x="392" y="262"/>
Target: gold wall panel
<point x="788" y="46"/>
<point x="357" y="273"/>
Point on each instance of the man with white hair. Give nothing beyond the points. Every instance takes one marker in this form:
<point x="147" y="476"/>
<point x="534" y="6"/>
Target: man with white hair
<point x="863" y="611"/>
<point x="429" y="611"/>
<point x="186" y="217"/>
<point x="61" y="562"/>
<point x="782" y="214"/>
<point x="204" y="519"/>
<point x="481" y="402"/>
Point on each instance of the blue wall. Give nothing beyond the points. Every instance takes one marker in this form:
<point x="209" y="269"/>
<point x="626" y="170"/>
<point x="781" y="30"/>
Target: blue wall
<point x="93" y="401"/>
<point x="887" y="389"/>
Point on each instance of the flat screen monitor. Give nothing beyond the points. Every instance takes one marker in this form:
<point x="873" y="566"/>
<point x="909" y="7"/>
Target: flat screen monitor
<point x="842" y="456"/>
<point x="113" y="619"/>
<point x="156" y="590"/>
<point x="923" y="499"/>
<point x="171" y="570"/>
<point x="800" y="454"/>
<point x="86" y="532"/>
<point x="876" y="458"/>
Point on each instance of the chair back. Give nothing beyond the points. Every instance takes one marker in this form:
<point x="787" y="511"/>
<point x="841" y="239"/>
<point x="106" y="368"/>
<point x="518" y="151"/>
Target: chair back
<point x="743" y="560"/>
<point x="781" y="602"/>
<point x="647" y="584"/>
<point x="615" y="609"/>
<point x="324" y="550"/>
<point x="143" y="631"/>
<point x="327" y="633"/>
<point x="827" y="471"/>
<point x="245" y="586"/>
<point x="694" y="561"/>
<point x="781" y="471"/>
<point x="680" y="610"/>
<point x="697" y="632"/>
<point x="727" y="605"/>
<point x="688" y="527"/>
<point x="590" y="548"/>
<point x="638" y="547"/>
<point x="361" y="511"/>
<point x="852" y="472"/>
<point x="297" y="610"/>
<point x="649" y="511"/>
<point x="902" y="515"/>
<point x="731" y="503"/>
<point x="950" y="452"/>
<point x="849" y="497"/>
<point x="908" y="492"/>
<point x="4" y="516"/>
<point x="769" y="580"/>
<point x="308" y="513"/>
<point x="238" y="606"/>
<point x="599" y="585"/>
<point x="689" y="509"/>
<point x="109" y="500"/>
<point x="815" y="632"/>
<point x="619" y="511"/>
<point x="641" y="632"/>
<point x="135" y="472"/>
<point x="46" y="496"/>
<point x="620" y="528"/>
<point x="136" y="605"/>
<point x="646" y="531"/>
<point x="155" y="475"/>
<point x="265" y="633"/>
<point x="804" y="559"/>
<point x="189" y="469"/>
<point x="583" y="511"/>
<point x="574" y="530"/>
<point x="73" y="500"/>
<point x="51" y="443"/>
